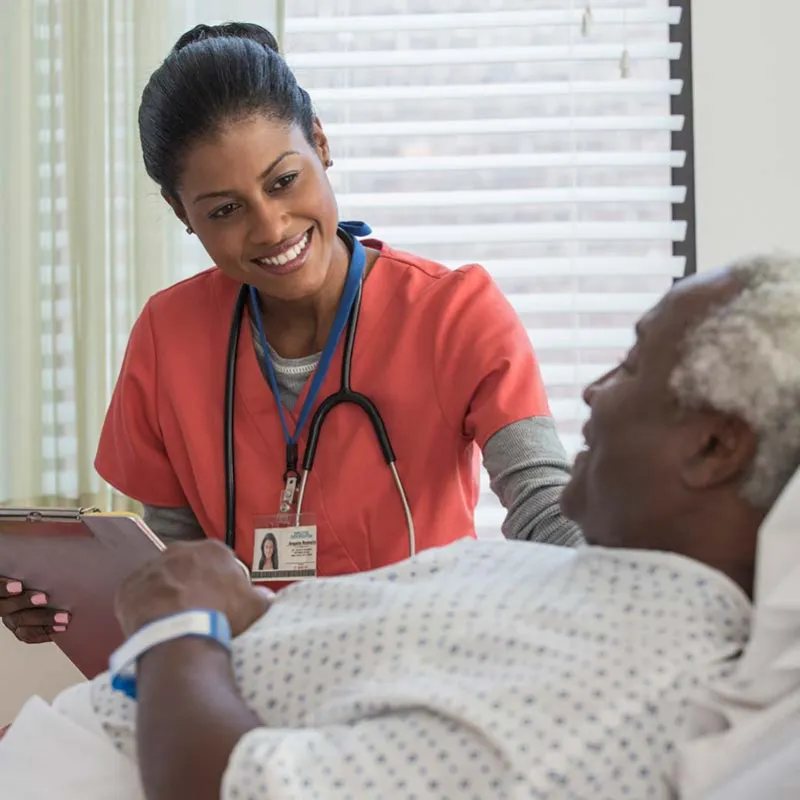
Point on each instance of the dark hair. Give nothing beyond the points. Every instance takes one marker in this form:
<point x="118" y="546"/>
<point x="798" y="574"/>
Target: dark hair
<point x="262" y="562"/>
<point x="215" y="74"/>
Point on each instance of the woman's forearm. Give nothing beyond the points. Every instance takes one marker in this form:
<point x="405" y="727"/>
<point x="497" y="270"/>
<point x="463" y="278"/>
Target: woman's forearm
<point x="190" y="718"/>
<point x="528" y="468"/>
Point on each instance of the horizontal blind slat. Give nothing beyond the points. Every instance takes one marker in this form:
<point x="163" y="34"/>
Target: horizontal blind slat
<point x="572" y="374"/>
<point x="557" y="231"/>
<point x="587" y="338"/>
<point x="439" y="199"/>
<point x="341" y="59"/>
<point x="464" y="127"/>
<point x="573" y="410"/>
<point x="349" y="94"/>
<point x="582" y="302"/>
<point x="517" y="161"/>
<point x="668" y="266"/>
<point x="327" y="23"/>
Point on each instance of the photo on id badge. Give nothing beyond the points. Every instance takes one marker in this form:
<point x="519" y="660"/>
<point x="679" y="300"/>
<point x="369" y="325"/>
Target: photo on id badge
<point x="283" y="551"/>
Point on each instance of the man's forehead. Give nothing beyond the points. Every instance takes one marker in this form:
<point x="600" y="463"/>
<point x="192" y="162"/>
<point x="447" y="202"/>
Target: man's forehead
<point x="687" y="303"/>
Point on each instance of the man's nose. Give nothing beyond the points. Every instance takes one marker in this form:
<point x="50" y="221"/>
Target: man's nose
<point x="590" y="391"/>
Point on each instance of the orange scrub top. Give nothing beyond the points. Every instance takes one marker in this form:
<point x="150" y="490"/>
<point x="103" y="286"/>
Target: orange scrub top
<point x="442" y="354"/>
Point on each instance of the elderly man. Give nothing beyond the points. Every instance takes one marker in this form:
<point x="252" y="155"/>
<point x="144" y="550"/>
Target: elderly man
<point x="482" y="669"/>
<point x="694" y="435"/>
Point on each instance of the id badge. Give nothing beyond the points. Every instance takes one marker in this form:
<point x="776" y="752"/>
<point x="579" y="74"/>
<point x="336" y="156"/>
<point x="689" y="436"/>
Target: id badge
<point x="284" y="548"/>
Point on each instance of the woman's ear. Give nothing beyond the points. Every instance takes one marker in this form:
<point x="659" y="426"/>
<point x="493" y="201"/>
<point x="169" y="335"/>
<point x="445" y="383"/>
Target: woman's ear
<point x="321" y="144"/>
<point x="177" y="208"/>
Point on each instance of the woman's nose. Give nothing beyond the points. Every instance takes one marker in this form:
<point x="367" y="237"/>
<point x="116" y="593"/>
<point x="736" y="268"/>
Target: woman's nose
<point x="269" y="224"/>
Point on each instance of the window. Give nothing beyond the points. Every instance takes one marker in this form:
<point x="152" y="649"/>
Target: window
<point x="533" y="136"/>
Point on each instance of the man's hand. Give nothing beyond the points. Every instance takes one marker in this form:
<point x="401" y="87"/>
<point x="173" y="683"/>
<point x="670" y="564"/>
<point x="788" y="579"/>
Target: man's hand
<point x="188" y="576"/>
<point x="190" y="713"/>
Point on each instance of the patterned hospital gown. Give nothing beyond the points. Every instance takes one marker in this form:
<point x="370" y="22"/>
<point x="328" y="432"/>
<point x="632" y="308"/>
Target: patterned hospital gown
<point x="478" y="670"/>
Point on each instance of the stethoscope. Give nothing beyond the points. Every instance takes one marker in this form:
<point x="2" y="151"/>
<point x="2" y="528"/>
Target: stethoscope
<point x="347" y="313"/>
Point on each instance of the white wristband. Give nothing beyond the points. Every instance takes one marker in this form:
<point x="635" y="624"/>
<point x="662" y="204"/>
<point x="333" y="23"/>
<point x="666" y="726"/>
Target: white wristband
<point x="122" y="664"/>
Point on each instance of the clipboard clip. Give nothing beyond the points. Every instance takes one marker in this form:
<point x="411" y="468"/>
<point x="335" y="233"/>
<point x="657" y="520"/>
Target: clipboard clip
<point x="45" y="514"/>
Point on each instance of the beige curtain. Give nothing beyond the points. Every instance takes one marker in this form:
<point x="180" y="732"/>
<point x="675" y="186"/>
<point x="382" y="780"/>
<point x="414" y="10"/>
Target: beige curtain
<point x="85" y="238"/>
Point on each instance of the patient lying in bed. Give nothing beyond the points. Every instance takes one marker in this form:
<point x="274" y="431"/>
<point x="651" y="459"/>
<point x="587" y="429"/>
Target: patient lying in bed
<point x="475" y="671"/>
<point x="490" y="669"/>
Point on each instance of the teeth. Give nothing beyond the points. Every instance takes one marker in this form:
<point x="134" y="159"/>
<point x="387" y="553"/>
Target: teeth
<point x="288" y="255"/>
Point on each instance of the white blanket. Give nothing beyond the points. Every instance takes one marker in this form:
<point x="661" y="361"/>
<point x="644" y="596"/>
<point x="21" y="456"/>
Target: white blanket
<point x="483" y="669"/>
<point x="61" y="751"/>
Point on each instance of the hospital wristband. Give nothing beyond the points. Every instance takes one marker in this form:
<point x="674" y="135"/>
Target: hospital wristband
<point x="200" y="622"/>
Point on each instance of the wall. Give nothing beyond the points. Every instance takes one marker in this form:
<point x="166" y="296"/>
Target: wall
<point x="747" y="127"/>
<point x="30" y="669"/>
<point x="747" y="130"/>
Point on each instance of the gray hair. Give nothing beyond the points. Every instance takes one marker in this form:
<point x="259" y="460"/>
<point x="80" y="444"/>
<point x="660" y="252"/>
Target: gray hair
<point x="744" y="359"/>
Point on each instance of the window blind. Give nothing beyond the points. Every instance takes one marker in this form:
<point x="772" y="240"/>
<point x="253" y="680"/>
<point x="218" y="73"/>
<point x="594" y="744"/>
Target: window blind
<point x="532" y="136"/>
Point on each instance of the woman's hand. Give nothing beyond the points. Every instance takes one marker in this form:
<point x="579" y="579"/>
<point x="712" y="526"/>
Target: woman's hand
<point x="188" y="576"/>
<point x="25" y="615"/>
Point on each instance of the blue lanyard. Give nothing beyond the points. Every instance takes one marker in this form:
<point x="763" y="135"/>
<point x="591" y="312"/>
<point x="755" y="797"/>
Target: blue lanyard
<point x="355" y="273"/>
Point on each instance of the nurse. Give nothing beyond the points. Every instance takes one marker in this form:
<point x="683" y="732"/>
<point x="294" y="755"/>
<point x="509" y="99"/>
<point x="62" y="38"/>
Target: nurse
<point x="241" y="158"/>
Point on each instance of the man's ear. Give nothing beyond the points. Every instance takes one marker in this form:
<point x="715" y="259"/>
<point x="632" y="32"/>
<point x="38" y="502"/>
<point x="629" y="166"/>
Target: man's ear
<point x="177" y="208"/>
<point x="720" y="450"/>
<point x="321" y="144"/>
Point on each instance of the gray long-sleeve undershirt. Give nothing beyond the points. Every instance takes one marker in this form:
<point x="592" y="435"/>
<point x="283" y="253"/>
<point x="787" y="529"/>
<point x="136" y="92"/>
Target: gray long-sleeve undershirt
<point x="526" y="462"/>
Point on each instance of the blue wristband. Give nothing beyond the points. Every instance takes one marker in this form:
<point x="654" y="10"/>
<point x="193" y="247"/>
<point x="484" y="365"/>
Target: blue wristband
<point x="199" y="622"/>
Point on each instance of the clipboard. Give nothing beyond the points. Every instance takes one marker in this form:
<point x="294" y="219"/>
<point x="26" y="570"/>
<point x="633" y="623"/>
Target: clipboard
<point x="78" y="557"/>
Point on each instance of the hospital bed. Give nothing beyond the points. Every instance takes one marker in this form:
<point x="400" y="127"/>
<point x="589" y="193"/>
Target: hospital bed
<point x="770" y="772"/>
<point x="758" y="756"/>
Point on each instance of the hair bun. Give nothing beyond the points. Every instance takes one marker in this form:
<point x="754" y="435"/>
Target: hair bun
<point x="230" y="30"/>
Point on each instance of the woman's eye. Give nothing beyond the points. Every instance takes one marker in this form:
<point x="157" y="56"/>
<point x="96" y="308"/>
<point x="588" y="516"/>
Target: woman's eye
<point x="224" y="211"/>
<point x="284" y="181"/>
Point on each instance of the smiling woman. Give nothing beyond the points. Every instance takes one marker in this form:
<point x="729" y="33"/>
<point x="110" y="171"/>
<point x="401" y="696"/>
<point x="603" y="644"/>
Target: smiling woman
<point x="235" y="146"/>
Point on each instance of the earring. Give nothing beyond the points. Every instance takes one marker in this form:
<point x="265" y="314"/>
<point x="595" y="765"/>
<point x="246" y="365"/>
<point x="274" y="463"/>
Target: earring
<point x="329" y="162"/>
<point x="189" y="230"/>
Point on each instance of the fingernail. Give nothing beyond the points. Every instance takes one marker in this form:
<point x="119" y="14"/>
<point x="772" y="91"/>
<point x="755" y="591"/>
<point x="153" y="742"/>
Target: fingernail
<point x="62" y="617"/>
<point x="38" y="599"/>
<point x="15" y="587"/>
<point x="59" y="628"/>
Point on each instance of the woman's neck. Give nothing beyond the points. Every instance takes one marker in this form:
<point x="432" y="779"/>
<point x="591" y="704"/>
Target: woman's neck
<point x="298" y="328"/>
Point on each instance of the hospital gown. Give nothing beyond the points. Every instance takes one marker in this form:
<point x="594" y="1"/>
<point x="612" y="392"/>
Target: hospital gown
<point x="478" y="670"/>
